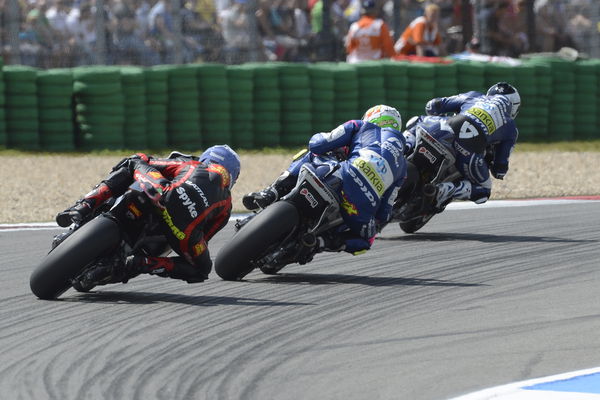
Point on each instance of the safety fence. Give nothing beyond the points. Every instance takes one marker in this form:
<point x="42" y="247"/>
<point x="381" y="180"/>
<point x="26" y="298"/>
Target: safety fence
<point x="257" y="105"/>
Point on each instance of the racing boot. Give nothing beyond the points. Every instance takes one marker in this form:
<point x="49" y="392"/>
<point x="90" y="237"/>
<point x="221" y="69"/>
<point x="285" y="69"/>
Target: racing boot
<point x="448" y="191"/>
<point x="84" y="207"/>
<point x="282" y="186"/>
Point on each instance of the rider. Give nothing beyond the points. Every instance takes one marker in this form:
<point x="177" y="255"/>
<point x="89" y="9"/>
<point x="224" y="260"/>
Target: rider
<point x="372" y="169"/>
<point x="484" y="133"/>
<point x="193" y="196"/>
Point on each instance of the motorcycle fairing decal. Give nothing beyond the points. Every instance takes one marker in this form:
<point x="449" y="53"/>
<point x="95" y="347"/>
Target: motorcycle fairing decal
<point x="309" y="197"/>
<point x="134" y="210"/>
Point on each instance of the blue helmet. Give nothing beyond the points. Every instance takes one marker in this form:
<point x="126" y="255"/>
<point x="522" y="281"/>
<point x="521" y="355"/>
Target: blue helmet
<point x="225" y="156"/>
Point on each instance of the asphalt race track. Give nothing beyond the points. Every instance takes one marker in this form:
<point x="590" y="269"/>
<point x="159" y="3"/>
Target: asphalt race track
<point x="479" y="298"/>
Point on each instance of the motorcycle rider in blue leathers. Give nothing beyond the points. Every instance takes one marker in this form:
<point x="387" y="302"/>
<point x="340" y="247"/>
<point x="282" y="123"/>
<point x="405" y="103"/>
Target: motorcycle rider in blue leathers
<point x="484" y="133"/>
<point x="371" y="170"/>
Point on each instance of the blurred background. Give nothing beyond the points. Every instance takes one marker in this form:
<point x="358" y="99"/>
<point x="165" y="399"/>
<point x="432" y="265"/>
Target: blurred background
<point x="68" y="33"/>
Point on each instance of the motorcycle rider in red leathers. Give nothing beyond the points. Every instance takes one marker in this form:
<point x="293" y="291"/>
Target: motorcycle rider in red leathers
<point x="194" y="196"/>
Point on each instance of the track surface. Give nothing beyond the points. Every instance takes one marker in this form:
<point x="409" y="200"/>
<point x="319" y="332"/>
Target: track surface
<point x="478" y="298"/>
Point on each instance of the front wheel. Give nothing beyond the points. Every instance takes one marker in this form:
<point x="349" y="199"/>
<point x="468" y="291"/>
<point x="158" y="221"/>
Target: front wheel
<point x="415" y="224"/>
<point x="235" y="259"/>
<point x="54" y="274"/>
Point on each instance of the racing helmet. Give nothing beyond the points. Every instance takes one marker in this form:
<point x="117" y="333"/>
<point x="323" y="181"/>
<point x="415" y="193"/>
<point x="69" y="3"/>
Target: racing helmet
<point x="384" y="117"/>
<point x="223" y="155"/>
<point x="368" y="4"/>
<point x="508" y="90"/>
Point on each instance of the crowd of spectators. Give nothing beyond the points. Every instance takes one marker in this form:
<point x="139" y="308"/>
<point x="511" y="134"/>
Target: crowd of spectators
<point x="64" y="33"/>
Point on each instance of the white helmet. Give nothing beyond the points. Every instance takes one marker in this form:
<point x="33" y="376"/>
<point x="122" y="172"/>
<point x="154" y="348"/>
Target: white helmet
<point x="508" y="90"/>
<point x="384" y="117"/>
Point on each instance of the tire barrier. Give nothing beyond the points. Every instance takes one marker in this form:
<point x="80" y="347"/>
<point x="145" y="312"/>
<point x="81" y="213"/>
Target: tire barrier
<point x="257" y="105"/>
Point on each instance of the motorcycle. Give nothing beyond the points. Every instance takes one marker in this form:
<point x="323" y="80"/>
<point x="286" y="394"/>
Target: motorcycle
<point x="286" y="231"/>
<point x="434" y="159"/>
<point x="92" y="252"/>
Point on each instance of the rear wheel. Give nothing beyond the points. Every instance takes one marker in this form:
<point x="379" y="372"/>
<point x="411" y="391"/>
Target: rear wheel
<point x="54" y="274"/>
<point x="235" y="259"/>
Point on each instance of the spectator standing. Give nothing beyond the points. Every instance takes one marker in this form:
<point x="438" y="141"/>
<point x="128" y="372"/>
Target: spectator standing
<point x="369" y="38"/>
<point x="81" y="25"/>
<point x="64" y="42"/>
<point x="130" y="47"/>
<point x="422" y="37"/>
<point x="237" y="26"/>
<point x="161" y="30"/>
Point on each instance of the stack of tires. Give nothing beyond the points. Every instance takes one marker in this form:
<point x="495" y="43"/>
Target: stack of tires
<point x="346" y="94"/>
<point x="296" y="119"/>
<point x="496" y="72"/>
<point x="446" y="80"/>
<point x="21" y="107"/>
<point x="371" y="85"/>
<point x="99" y="108"/>
<point x="215" y="113"/>
<point x="586" y="86"/>
<point x="322" y="95"/>
<point x="183" y="111"/>
<point x="562" y="100"/>
<point x="240" y="82"/>
<point x="396" y="86"/>
<point x="3" y="137"/>
<point x="267" y="105"/>
<point x="157" y="100"/>
<point x="543" y="80"/>
<point x="133" y="82"/>
<point x="55" y="108"/>
<point x="421" y="86"/>
<point x="525" y="81"/>
<point x="471" y="76"/>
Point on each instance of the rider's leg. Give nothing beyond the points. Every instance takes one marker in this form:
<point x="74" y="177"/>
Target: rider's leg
<point x="114" y="185"/>
<point x="282" y="185"/>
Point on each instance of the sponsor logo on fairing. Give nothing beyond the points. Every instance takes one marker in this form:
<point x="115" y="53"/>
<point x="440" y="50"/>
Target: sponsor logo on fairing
<point x="309" y="197"/>
<point x="200" y="192"/>
<point x="186" y="201"/>
<point x="432" y="159"/>
<point x="133" y="212"/>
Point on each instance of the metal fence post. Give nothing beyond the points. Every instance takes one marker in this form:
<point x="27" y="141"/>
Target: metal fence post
<point x="100" y="25"/>
<point x="13" y="30"/>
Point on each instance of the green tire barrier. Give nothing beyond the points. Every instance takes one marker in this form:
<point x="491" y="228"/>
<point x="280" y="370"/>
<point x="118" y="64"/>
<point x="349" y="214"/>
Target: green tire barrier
<point x="100" y="112"/>
<point x="56" y="128"/>
<point x="215" y="103"/>
<point x="256" y="105"/>
<point x="21" y="110"/>
<point x="267" y="99"/>
<point x="322" y="96"/>
<point x="183" y="107"/>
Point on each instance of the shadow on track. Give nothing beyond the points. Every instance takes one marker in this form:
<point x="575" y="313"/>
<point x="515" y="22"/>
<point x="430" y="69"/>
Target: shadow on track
<point x="155" y="298"/>
<point x="330" y="279"/>
<point x="478" y="237"/>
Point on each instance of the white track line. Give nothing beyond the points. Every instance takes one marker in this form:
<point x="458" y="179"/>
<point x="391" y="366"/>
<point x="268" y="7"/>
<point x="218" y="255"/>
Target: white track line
<point x="457" y="205"/>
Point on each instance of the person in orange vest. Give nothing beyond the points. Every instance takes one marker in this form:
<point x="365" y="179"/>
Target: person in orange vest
<point x="422" y="36"/>
<point x="369" y="38"/>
